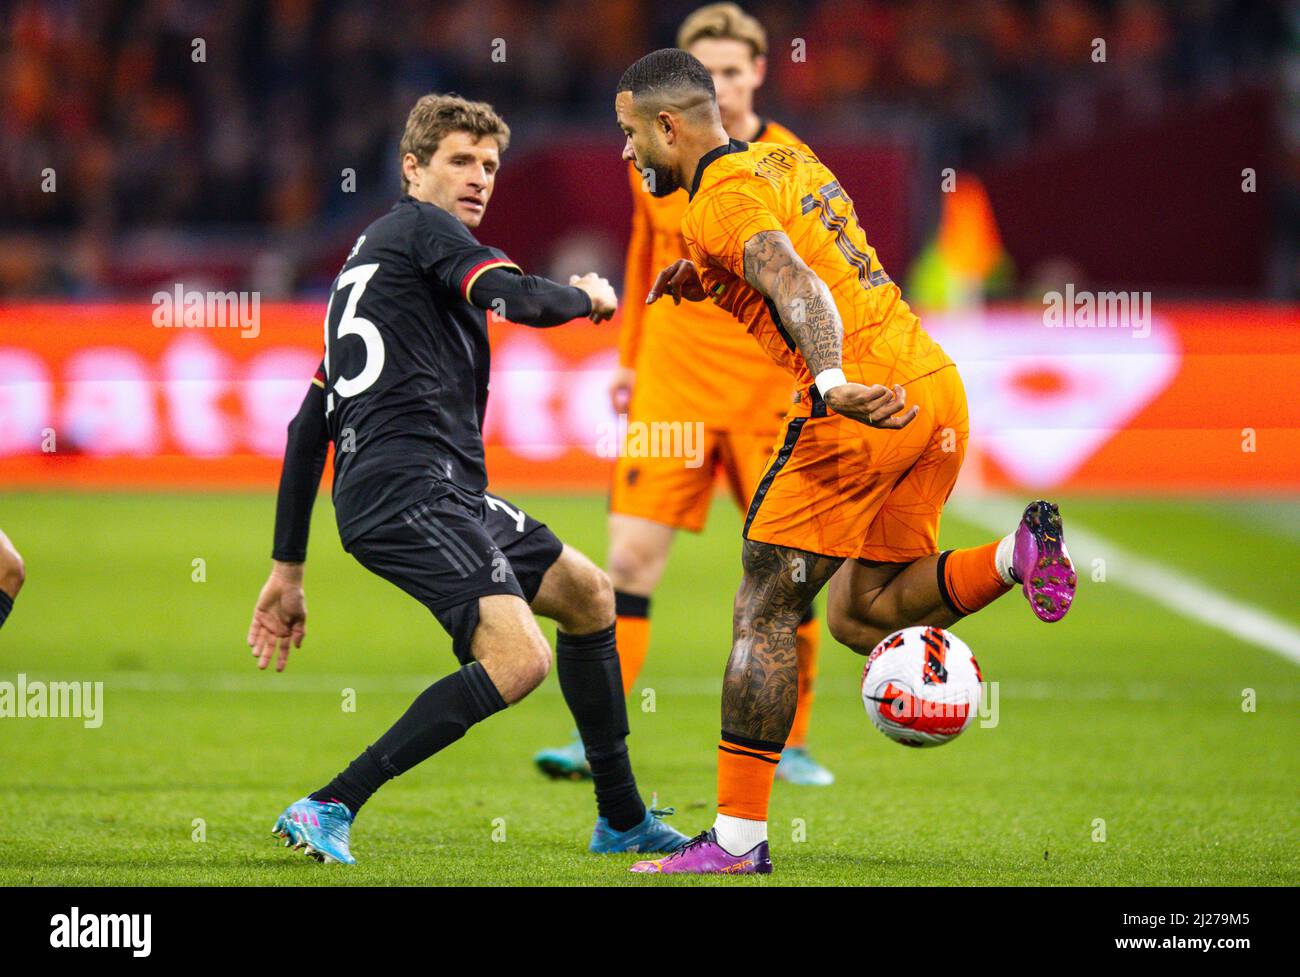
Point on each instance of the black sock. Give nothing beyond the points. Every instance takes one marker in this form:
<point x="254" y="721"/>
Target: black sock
<point x="436" y="719"/>
<point x="631" y="605"/>
<point x="593" y="688"/>
<point x="6" y="605"/>
<point x="944" y="592"/>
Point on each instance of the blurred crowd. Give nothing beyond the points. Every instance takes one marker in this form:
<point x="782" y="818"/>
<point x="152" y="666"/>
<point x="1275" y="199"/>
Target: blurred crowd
<point x="157" y="113"/>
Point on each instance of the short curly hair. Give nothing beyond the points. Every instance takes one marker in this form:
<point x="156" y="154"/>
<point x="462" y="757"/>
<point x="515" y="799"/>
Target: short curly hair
<point x="436" y="115"/>
<point x="667" y="70"/>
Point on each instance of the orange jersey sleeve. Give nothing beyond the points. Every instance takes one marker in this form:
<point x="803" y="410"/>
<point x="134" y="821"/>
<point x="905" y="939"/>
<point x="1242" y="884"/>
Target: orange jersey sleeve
<point x="637" y="273"/>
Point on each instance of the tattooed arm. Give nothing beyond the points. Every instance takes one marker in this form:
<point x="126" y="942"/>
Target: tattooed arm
<point x="807" y="312"/>
<point x="802" y="301"/>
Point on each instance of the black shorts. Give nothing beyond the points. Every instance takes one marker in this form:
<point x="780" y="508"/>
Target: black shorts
<point x="449" y="550"/>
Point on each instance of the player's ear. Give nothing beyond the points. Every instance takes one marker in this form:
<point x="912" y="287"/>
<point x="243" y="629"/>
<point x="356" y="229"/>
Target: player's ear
<point x="409" y="165"/>
<point x="667" y="127"/>
<point x="760" y="69"/>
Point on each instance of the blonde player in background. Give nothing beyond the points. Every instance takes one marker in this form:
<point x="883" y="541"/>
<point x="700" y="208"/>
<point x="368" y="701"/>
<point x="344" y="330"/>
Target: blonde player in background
<point x="685" y="365"/>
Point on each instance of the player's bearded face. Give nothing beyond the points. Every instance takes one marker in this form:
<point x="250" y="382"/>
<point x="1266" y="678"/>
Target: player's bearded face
<point x="660" y="178"/>
<point x="645" y="150"/>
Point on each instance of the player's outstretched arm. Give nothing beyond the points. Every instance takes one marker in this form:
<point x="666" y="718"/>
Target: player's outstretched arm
<point x="280" y="615"/>
<point x="536" y="301"/>
<point x="809" y="315"/>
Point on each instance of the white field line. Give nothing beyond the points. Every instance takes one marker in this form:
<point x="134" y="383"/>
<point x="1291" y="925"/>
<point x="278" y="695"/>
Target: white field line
<point x="1165" y="586"/>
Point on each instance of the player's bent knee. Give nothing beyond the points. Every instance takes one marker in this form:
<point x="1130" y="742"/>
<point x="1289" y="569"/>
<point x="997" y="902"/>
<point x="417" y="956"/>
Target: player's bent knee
<point x="582" y="600"/>
<point x="852" y="632"/>
<point x="517" y="669"/>
<point x="537" y="664"/>
<point x="599" y="601"/>
<point x="631" y="566"/>
<point x="638" y="552"/>
<point x="508" y="644"/>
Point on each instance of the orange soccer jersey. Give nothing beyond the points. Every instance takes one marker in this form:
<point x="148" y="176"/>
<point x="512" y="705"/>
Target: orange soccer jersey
<point x="695" y="365"/>
<point x="693" y="362"/>
<point x="832" y="486"/>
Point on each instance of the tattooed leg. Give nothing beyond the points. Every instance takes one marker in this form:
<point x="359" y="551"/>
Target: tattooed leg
<point x="759" y="695"/>
<point x="761" y="686"/>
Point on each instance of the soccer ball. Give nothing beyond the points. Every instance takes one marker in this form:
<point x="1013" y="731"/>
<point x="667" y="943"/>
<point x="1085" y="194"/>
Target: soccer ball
<point x="921" y="686"/>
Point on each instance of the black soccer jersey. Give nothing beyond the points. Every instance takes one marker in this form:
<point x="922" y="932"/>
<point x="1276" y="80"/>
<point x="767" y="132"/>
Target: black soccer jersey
<point x="406" y="364"/>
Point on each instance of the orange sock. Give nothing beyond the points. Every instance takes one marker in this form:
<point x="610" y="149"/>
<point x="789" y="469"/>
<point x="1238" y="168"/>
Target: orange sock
<point x="807" y="640"/>
<point x="745" y="771"/>
<point x="969" y="579"/>
<point x="632" y="634"/>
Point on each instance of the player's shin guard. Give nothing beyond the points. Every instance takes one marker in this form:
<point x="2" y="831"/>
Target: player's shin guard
<point x="6" y="605"/>
<point x="633" y="626"/>
<point x="588" y="668"/>
<point x="438" y="717"/>
<point x="746" y="768"/>
<point x="969" y="579"/>
<point x="807" y="641"/>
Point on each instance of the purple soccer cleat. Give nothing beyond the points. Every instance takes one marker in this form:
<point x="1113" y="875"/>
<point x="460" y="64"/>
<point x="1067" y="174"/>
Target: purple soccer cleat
<point x="702" y="855"/>
<point x="1041" y="563"/>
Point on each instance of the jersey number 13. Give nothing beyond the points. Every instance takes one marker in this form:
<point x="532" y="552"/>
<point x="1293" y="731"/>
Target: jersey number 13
<point x="350" y="324"/>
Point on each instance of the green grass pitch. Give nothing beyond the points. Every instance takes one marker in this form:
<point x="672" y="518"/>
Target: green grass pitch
<point x="1126" y="713"/>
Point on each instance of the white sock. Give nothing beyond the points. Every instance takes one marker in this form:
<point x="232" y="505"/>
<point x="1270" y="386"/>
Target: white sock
<point x="1006" y="551"/>
<point x="738" y="836"/>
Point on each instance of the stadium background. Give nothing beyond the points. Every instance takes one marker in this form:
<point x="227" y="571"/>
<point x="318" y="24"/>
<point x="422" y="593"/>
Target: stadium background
<point x="991" y="159"/>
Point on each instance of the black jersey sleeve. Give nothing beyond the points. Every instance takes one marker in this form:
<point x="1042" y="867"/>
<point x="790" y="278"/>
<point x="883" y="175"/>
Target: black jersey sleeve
<point x="304" y="461"/>
<point x="447" y="252"/>
<point x="528" y="299"/>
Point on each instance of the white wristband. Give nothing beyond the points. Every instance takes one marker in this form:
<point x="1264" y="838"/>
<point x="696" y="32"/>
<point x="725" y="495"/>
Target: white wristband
<point x="828" y="379"/>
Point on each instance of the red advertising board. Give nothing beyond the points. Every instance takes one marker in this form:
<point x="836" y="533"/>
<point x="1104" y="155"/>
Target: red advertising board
<point x="1201" y="398"/>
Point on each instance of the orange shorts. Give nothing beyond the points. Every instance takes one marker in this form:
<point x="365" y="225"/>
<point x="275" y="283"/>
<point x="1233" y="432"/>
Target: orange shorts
<point x="677" y="491"/>
<point x="838" y="488"/>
